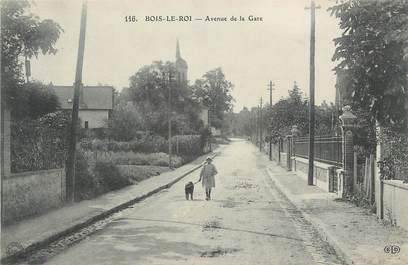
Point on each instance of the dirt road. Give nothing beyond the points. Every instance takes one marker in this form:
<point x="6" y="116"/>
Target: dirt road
<point x="248" y="221"/>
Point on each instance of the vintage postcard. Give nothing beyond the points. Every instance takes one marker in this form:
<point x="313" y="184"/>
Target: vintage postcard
<point x="204" y="132"/>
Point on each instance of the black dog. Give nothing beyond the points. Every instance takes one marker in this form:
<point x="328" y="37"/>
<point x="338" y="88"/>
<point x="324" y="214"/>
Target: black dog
<point x="189" y="189"/>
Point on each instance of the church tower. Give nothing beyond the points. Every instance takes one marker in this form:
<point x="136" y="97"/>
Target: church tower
<point x="181" y="66"/>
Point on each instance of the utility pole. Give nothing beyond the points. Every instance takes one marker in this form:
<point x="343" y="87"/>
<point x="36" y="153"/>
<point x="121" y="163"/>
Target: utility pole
<point x="209" y="125"/>
<point x="260" y="126"/>
<point x="169" y="116"/>
<point x="257" y="125"/>
<point x="71" y="156"/>
<point x="270" y="88"/>
<point x="312" y="8"/>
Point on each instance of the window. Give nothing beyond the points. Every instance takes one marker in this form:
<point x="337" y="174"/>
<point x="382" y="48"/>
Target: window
<point x="86" y="125"/>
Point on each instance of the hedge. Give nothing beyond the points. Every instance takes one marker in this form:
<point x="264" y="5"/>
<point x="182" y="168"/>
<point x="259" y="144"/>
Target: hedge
<point x="131" y="158"/>
<point x="148" y="144"/>
<point x="187" y="145"/>
<point x="394" y="163"/>
<point x="39" y="144"/>
<point x="183" y="145"/>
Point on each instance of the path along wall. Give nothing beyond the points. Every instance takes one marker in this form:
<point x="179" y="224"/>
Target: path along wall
<point x="30" y="193"/>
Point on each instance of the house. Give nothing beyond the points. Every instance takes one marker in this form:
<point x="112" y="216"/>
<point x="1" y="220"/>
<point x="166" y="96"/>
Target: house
<point x="95" y="103"/>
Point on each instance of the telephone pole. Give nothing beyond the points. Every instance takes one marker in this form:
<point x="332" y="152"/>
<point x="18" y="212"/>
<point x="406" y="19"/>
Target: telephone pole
<point x="270" y="88"/>
<point x="71" y="157"/>
<point x="256" y="112"/>
<point x="260" y="126"/>
<point x="169" y="116"/>
<point x="209" y="126"/>
<point x="312" y="8"/>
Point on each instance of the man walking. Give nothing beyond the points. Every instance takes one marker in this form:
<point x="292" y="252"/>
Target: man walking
<point x="207" y="175"/>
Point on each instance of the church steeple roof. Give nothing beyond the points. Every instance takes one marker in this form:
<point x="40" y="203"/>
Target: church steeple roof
<point x="180" y="62"/>
<point x="181" y="65"/>
<point x="178" y="50"/>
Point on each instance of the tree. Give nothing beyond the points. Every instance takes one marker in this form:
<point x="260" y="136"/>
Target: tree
<point x="125" y="122"/>
<point x="245" y="126"/>
<point x="326" y="118"/>
<point x="24" y="35"/>
<point x="34" y="100"/>
<point x="242" y="122"/>
<point x="289" y="111"/>
<point x="371" y="53"/>
<point x="149" y="91"/>
<point x="214" y="91"/>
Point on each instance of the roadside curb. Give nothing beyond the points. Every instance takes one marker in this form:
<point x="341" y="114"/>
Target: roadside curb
<point x="323" y="232"/>
<point x="36" y="245"/>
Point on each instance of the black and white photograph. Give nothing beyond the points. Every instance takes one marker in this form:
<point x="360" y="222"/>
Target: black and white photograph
<point x="216" y="132"/>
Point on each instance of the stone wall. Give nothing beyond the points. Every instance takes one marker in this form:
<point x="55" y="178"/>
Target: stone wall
<point x="30" y="193"/>
<point x="284" y="159"/>
<point x="322" y="172"/>
<point x="275" y="152"/>
<point x="395" y="202"/>
<point x="299" y="166"/>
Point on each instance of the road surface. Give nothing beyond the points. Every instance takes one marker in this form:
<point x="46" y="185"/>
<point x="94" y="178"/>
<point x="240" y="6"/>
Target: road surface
<point x="248" y="221"/>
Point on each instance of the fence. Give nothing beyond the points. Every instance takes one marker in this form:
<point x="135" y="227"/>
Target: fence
<point x="327" y="149"/>
<point x="364" y="176"/>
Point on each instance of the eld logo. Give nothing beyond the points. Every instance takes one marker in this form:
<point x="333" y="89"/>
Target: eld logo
<point x="392" y="249"/>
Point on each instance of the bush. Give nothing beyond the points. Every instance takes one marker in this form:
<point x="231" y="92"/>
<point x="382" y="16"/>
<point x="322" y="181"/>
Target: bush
<point x="86" y="185"/>
<point x="147" y="144"/>
<point x="162" y="159"/>
<point x="151" y="144"/>
<point x="105" y="176"/>
<point x="131" y="158"/>
<point x="109" y="176"/>
<point x="33" y="100"/>
<point x="187" y="145"/>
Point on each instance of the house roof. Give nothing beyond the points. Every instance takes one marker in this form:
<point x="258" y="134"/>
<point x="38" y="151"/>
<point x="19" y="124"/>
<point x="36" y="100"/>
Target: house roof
<point x="92" y="97"/>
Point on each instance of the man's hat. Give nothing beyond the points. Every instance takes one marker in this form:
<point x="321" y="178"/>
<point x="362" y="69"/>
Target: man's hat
<point x="208" y="158"/>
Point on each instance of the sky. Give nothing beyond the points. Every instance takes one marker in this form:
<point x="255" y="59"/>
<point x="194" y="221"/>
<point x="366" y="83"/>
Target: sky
<point x="250" y="52"/>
